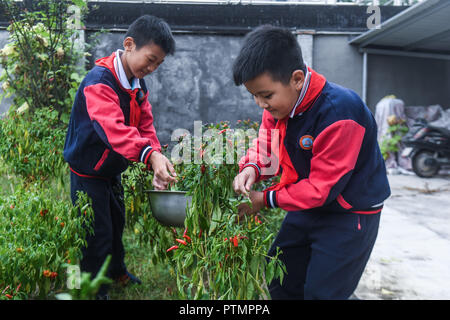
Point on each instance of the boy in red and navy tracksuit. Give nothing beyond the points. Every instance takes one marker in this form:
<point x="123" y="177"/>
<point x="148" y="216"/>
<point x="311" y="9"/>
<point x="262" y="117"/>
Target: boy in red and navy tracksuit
<point x="112" y="124"/>
<point x="333" y="178"/>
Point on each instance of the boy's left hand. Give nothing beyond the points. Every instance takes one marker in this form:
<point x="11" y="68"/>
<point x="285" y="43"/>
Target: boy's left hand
<point x="257" y="199"/>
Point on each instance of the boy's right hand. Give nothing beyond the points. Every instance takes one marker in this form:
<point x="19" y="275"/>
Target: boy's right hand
<point x="243" y="182"/>
<point x="164" y="173"/>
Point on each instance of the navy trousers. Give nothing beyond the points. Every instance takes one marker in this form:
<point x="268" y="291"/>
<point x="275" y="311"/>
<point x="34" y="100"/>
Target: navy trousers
<point x="325" y="254"/>
<point x="109" y="222"/>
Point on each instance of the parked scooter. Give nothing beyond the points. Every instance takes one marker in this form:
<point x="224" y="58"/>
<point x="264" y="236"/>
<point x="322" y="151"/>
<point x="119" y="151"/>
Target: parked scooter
<point x="428" y="147"/>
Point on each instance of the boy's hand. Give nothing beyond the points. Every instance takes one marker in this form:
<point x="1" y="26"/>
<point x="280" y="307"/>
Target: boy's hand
<point x="243" y="182"/>
<point x="257" y="199"/>
<point x="161" y="167"/>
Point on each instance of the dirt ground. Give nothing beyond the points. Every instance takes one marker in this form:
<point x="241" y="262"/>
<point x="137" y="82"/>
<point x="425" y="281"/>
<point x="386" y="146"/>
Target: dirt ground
<point x="411" y="257"/>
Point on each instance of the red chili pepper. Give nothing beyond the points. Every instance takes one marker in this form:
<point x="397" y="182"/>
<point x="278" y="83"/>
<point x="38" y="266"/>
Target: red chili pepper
<point x="181" y="241"/>
<point x="226" y="239"/>
<point x="203" y="168"/>
<point x="243" y="237"/>
<point x="222" y="131"/>
<point x="172" y="248"/>
<point x="8" y="296"/>
<point x="188" y="239"/>
<point x="18" y="287"/>
<point x="235" y="241"/>
<point x="53" y="275"/>
<point x="185" y="231"/>
<point x="174" y="231"/>
<point x="200" y="234"/>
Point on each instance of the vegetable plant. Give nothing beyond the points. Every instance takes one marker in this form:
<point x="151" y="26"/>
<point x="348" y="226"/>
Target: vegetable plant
<point x="215" y="256"/>
<point x="39" y="238"/>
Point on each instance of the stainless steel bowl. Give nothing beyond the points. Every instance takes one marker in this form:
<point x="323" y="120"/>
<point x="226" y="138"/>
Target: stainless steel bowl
<point x="169" y="207"/>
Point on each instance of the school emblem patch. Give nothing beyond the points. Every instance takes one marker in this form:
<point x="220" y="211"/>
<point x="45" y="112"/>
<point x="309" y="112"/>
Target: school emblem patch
<point x="306" y="142"/>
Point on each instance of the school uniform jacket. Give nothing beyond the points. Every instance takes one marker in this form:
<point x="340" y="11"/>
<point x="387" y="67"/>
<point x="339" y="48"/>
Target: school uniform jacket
<point x="329" y="158"/>
<point x="109" y="125"/>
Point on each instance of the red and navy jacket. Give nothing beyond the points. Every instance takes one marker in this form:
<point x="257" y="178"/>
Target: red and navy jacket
<point x="329" y="157"/>
<point x="109" y="124"/>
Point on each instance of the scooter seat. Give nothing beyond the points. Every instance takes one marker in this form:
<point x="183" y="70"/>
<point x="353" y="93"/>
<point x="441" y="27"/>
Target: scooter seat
<point x="442" y="130"/>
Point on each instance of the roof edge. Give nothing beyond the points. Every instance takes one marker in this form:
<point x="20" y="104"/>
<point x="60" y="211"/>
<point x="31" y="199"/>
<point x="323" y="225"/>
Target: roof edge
<point x="395" y="20"/>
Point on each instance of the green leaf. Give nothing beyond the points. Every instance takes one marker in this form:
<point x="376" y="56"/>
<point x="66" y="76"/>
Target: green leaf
<point x="250" y="290"/>
<point x="80" y="3"/>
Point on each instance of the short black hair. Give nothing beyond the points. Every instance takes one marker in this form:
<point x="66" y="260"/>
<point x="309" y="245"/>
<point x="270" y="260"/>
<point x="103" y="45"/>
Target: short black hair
<point x="149" y="29"/>
<point x="268" y="49"/>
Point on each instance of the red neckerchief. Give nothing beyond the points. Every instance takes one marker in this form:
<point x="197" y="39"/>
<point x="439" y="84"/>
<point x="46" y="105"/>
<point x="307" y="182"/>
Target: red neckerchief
<point x="289" y="174"/>
<point x="135" y="110"/>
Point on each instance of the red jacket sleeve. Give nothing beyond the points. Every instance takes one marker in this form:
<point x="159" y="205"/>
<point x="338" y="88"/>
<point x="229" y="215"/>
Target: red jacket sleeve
<point x="335" y="152"/>
<point x="146" y="127"/>
<point x="260" y="155"/>
<point x="103" y="107"/>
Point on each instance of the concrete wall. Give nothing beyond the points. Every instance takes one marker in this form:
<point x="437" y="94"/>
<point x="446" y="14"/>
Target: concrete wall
<point x="193" y="85"/>
<point x="417" y="81"/>
<point x="6" y="102"/>
<point x="196" y="83"/>
<point x="338" y="61"/>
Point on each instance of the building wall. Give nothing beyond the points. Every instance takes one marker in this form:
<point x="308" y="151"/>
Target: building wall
<point x="5" y="102"/>
<point x="338" y="61"/>
<point x="195" y="84"/>
<point x="417" y="81"/>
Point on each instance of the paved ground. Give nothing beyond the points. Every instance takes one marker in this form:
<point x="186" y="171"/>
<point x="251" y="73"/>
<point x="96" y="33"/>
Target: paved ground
<point x="411" y="258"/>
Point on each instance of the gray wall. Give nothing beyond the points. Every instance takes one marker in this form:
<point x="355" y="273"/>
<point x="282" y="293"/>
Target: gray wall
<point x="193" y="85"/>
<point x="6" y="102"/>
<point x="196" y="84"/>
<point x="338" y="61"/>
<point x="417" y="81"/>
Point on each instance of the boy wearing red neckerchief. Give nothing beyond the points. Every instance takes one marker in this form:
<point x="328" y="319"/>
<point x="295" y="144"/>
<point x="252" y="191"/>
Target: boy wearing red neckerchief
<point x="333" y="178"/>
<point x="112" y="125"/>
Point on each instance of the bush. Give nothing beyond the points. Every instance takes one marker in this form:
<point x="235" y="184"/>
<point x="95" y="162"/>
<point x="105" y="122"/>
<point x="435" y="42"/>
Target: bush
<point x="43" y="231"/>
<point x="42" y="69"/>
<point x="31" y="146"/>
<point x="42" y="65"/>
<point x="40" y="237"/>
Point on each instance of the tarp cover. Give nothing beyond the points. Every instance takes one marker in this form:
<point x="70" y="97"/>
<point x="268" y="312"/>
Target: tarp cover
<point x="392" y="106"/>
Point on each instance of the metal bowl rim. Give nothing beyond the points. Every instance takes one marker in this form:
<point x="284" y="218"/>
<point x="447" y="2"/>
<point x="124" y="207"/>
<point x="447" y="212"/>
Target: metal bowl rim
<point x="166" y="191"/>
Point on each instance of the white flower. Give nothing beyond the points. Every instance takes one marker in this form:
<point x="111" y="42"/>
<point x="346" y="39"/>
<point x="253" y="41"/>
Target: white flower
<point x="24" y="107"/>
<point x="7" y="50"/>
<point x="5" y="85"/>
<point x="60" y="53"/>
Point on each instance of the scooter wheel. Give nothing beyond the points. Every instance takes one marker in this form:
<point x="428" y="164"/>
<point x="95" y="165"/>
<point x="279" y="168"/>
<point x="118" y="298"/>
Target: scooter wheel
<point x="424" y="164"/>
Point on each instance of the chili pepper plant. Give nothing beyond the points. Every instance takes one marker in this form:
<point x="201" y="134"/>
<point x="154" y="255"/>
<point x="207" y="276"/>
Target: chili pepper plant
<point x="39" y="238"/>
<point x="216" y="255"/>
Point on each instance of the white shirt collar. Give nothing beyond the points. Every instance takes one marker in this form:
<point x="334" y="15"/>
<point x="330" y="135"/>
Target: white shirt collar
<point x="118" y="67"/>
<point x="302" y="93"/>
